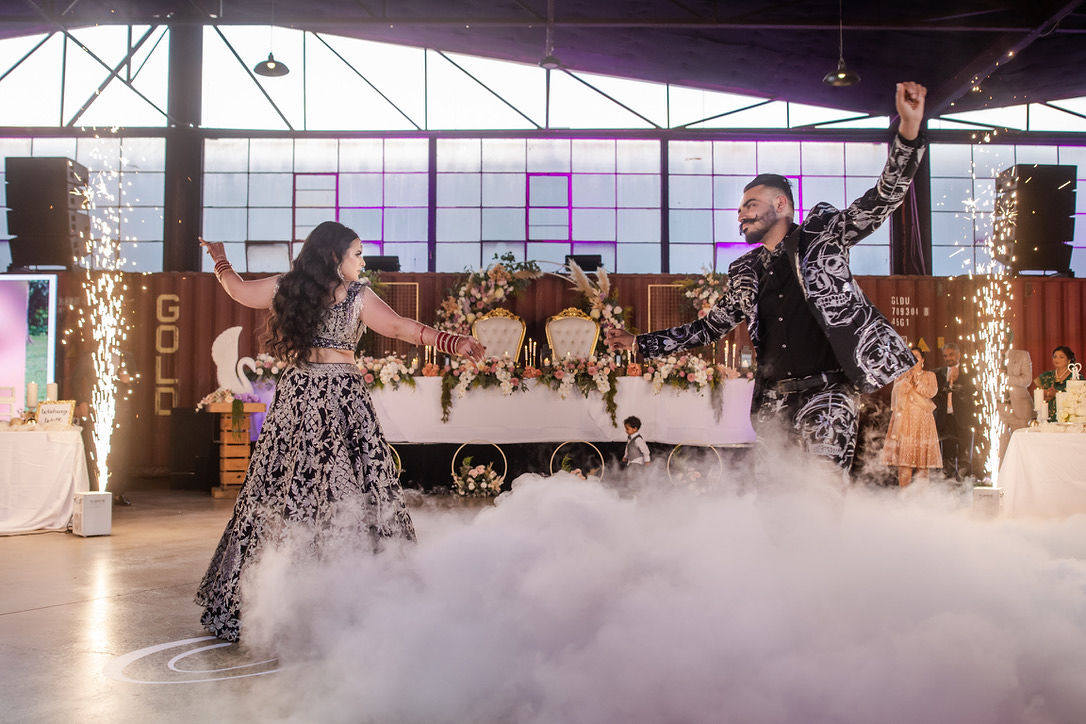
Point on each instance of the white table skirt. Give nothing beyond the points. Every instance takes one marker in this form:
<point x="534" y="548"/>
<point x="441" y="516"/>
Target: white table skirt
<point x="541" y="415"/>
<point x="40" y="472"/>
<point x="1044" y="473"/>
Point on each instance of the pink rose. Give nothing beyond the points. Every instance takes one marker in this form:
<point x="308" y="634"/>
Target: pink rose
<point x="559" y="374"/>
<point x="592" y="369"/>
<point x="368" y="378"/>
<point x="690" y="377"/>
<point x="702" y="313"/>
<point x="515" y="380"/>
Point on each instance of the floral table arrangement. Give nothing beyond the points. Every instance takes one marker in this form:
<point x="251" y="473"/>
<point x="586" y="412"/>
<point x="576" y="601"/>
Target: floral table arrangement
<point x="476" y="480"/>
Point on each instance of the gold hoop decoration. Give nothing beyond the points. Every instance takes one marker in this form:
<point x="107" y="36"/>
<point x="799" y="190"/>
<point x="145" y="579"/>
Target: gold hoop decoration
<point x="694" y="443"/>
<point x="505" y="461"/>
<point x="396" y="453"/>
<point x="571" y="313"/>
<point x="603" y="463"/>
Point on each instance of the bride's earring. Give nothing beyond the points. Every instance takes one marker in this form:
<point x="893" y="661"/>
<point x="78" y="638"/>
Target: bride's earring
<point x="339" y="273"/>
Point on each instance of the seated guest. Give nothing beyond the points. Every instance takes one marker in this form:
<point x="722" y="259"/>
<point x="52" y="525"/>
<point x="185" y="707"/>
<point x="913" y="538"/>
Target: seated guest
<point x="912" y="442"/>
<point x="1055" y="379"/>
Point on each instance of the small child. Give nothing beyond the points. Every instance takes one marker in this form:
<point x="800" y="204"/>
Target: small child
<point x="637" y="450"/>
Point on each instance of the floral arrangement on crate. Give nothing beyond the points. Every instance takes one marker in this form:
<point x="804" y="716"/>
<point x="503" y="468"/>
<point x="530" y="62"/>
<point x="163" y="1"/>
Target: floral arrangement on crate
<point x="265" y="369"/>
<point x="705" y="291"/>
<point x="477" y="480"/>
<point x="595" y="374"/>
<point x="392" y="370"/>
<point x="482" y="291"/>
<point x="464" y="374"/>
<point x="600" y="300"/>
<point x="237" y="403"/>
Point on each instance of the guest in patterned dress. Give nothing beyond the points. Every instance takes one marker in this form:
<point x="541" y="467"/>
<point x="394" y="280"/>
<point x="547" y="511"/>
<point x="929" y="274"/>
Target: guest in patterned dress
<point x="321" y="472"/>
<point x="1055" y="379"/>
<point x="912" y="442"/>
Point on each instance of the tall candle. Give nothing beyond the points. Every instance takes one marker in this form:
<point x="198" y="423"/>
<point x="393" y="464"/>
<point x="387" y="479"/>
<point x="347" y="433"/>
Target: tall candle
<point x="32" y="395"/>
<point x="1039" y="404"/>
<point x="51" y="391"/>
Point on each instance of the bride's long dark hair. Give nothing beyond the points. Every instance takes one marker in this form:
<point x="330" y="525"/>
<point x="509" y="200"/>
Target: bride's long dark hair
<point x="306" y="290"/>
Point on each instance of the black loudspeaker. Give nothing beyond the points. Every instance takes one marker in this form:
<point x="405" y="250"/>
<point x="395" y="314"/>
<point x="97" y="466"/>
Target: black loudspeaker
<point x="46" y="210"/>
<point x="1034" y="217"/>
<point x="382" y="263"/>
<point x="587" y="262"/>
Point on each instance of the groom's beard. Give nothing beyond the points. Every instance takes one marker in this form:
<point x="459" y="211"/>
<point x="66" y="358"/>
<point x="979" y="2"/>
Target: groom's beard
<point x="758" y="226"/>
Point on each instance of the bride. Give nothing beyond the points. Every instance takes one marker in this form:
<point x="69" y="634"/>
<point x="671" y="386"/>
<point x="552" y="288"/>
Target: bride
<point x="321" y="467"/>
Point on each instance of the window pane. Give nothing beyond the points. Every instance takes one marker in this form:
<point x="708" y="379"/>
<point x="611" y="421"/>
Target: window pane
<point x="503" y="224"/>
<point x="778" y="157"/>
<point x="948" y="227"/>
<point x="458" y="225"/>
<point x="360" y="189"/>
<point x="690" y="157"/>
<point x="458" y="189"/>
<point x="143" y="154"/>
<point x="412" y="256"/>
<point x="405" y="225"/>
<point x="457" y="257"/>
<point x="504" y="189"/>
<point x="735" y="157"/>
<point x="143" y="189"/>
<point x="594" y="225"/>
<point x="728" y="191"/>
<point x="606" y="252"/>
<point x="542" y="252"/>
<point x="639" y="225"/>
<point x="406" y="154"/>
<point x="814" y="190"/>
<point x="637" y="156"/>
<point x="271" y="154"/>
<point x="548" y="155"/>
<point x="226" y="154"/>
<point x="691" y="226"/>
<point x="825" y="159"/>
<point x="548" y="190"/>
<point x="459" y="154"/>
<point x="872" y="260"/>
<point x="950" y="159"/>
<point x="267" y="257"/>
<point x="270" y="224"/>
<point x="727" y="253"/>
<point x="505" y="154"/>
<point x="548" y="224"/>
<point x="726" y="227"/>
<point x="594" y="189"/>
<point x="638" y="259"/>
<point x="361" y="154"/>
<point x="950" y="194"/>
<point x="226" y="189"/>
<point x="639" y="191"/>
<point x="691" y="192"/>
<point x="492" y="248"/>
<point x="691" y="258"/>
<point x="225" y="225"/>
<point x="865" y="159"/>
<point x="365" y="222"/>
<point x="594" y="155"/>
<point x="316" y="154"/>
<point x="142" y="224"/>
<point x="406" y="189"/>
<point x="271" y="189"/>
<point x="145" y="256"/>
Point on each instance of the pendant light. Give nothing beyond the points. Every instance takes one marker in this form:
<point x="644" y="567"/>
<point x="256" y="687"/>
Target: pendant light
<point x="271" y="67"/>
<point x="550" y="60"/>
<point x="842" y="76"/>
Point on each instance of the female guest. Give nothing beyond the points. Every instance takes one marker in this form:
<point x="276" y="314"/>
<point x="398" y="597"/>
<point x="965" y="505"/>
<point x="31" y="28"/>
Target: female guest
<point x="1055" y="379"/>
<point x="321" y="471"/>
<point x="912" y="442"/>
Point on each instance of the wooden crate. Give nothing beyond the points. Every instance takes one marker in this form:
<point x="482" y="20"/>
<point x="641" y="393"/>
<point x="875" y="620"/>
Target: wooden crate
<point x="234" y="447"/>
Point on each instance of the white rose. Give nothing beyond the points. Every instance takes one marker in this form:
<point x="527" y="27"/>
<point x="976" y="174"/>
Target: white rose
<point x="595" y="314"/>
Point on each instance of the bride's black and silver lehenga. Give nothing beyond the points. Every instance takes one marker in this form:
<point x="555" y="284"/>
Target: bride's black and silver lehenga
<point x="320" y="467"/>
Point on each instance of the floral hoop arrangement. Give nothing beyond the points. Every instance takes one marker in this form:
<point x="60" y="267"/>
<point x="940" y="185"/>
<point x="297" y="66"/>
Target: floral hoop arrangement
<point x="705" y="291"/>
<point x="567" y="463"/>
<point x="477" y="480"/>
<point x="482" y="291"/>
<point x="690" y="476"/>
<point x="389" y="371"/>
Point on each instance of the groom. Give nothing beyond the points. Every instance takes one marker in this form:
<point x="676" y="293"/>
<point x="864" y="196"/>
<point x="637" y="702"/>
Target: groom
<point x="819" y="341"/>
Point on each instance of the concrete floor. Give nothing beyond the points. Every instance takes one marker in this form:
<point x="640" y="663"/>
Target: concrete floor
<point x="72" y="608"/>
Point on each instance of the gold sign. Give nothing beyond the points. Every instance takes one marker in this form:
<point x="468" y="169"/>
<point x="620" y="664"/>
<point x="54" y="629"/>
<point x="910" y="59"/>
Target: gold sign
<point x="167" y="340"/>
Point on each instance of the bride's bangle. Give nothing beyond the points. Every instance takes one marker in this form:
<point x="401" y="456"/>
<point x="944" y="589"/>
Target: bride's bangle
<point x="447" y="342"/>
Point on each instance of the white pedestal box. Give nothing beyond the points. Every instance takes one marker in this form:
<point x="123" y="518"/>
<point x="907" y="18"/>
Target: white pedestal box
<point x="93" y="513"/>
<point x="987" y="501"/>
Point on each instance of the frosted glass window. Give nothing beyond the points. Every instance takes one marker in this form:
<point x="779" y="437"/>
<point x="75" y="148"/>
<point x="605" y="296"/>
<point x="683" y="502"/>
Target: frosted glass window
<point x="504" y="154"/>
<point x="141" y="224"/>
<point x="361" y="189"/>
<point x="143" y="154"/>
<point x="413" y="257"/>
<point x="269" y="224"/>
<point x="314" y="190"/>
<point x="778" y="157"/>
<point x="548" y="224"/>
<point x="271" y="154"/>
<point x="365" y="222"/>
<point x="548" y="155"/>
<point x="406" y="224"/>
<point x="594" y="155"/>
<point x="690" y="157"/>
<point x="548" y="190"/>
<point x="691" y="192"/>
<point x="637" y="156"/>
<point x="459" y="154"/>
<point x="226" y="154"/>
<point x="823" y="159"/>
<point x="544" y="252"/>
<point x="728" y="191"/>
<point x="271" y="189"/>
<point x="593" y="189"/>
<point x="316" y="154"/>
<point x="857" y="186"/>
<point x="458" y="189"/>
<point x="143" y="189"/>
<point x="871" y="260"/>
<point x="638" y="259"/>
<point x="606" y="252"/>
<point x="738" y="157"/>
<point x="815" y="190"/>
<point x="268" y="257"/>
<point x="458" y="225"/>
<point x="690" y="258"/>
<point x="594" y="225"/>
<point x="226" y="189"/>
<point x="726" y="226"/>
<point x="361" y="154"/>
<point x="950" y="159"/>
<point x="727" y="253"/>
<point x="691" y="226"/>
<point x="504" y="189"/>
<point x="948" y="227"/>
<point x="950" y="194"/>
<point x="638" y="191"/>
<point x="56" y="147"/>
<point x="406" y="154"/>
<point x="144" y="256"/>
<point x="639" y="226"/>
<point x="305" y="220"/>
<point x="457" y="257"/>
<point x="503" y="224"/>
<point x="406" y="189"/>
<point x="495" y="248"/>
<point x="864" y="159"/>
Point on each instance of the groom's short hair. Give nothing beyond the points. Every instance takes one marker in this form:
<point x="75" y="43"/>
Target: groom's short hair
<point x="773" y="181"/>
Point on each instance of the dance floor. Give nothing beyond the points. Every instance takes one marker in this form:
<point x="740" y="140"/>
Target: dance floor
<point x="570" y="602"/>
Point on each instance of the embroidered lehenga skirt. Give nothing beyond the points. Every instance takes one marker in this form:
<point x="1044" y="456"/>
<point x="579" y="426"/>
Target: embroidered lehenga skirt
<point x="321" y="473"/>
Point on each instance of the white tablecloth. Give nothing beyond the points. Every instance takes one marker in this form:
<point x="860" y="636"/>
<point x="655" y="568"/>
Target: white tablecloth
<point x="541" y="415"/>
<point x="40" y="472"/>
<point x="1044" y="473"/>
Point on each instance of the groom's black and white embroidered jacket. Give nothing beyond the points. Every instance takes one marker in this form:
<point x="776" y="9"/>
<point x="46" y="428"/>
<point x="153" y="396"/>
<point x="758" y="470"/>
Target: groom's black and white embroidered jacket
<point x="870" y="352"/>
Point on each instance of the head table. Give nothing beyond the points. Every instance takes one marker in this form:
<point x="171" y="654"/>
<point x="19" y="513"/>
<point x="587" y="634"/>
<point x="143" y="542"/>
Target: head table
<point x="40" y="472"/>
<point x="1044" y="473"/>
<point x="672" y="416"/>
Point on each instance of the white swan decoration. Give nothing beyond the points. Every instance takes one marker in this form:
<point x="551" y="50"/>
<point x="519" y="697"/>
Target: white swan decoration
<point x="230" y="370"/>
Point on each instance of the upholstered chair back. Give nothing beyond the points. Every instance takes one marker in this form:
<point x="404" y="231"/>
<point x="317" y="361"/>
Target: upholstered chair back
<point x="501" y="332"/>
<point x="573" y="333"/>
